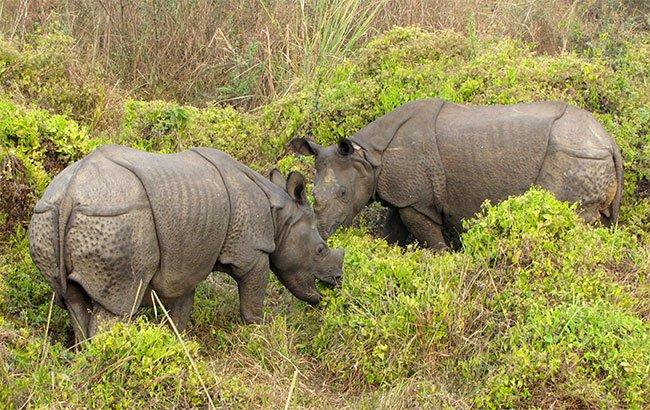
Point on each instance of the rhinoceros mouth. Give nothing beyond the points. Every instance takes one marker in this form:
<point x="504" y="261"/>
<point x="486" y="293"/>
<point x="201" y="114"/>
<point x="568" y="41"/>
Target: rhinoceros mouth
<point x="334" y="279"/>
<point x="326" y="232"/>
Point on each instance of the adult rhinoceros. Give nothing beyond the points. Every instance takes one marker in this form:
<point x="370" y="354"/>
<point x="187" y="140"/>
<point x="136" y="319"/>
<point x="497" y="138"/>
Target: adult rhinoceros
<point x="121" y="223"/>
<point x="433" y="164"/>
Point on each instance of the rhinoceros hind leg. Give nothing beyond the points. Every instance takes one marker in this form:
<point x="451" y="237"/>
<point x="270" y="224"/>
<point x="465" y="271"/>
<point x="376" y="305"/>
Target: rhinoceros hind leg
<point x="424" y="229"/>
<point x="79" y="306"/>
<point x="592" y="215"/>
<point x="394" y="230"/>
<point x="180" y="311"/>
<point x="100" y="318"/>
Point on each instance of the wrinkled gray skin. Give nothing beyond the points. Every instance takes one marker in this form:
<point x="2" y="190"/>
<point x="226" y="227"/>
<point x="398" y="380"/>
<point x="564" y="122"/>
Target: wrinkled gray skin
<point x="433" y="163"/>
<point x="121" y="223"/>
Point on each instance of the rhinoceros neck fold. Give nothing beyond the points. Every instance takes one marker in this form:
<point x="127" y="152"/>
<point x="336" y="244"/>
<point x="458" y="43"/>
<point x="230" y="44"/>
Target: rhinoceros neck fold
<point x="277" y="197"/>
<point x="376" y="137"/>
<point x="278" y="200"/>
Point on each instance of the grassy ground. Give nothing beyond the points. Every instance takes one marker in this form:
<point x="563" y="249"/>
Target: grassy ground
<point x="538" y="310"/>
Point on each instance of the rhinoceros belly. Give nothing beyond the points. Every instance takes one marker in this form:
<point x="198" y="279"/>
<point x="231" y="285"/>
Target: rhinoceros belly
<point x="489" y="153"/>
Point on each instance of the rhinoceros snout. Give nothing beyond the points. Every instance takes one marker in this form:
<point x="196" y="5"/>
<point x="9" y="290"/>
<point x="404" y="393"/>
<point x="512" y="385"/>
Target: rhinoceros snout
<point x="335" y="279"/>
<point x="334" y="276"/>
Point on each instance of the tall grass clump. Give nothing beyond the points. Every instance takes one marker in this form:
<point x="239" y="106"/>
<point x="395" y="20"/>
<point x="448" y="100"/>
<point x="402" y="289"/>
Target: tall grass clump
<point x="195" y="52"/>
<point x="327" y="31"/>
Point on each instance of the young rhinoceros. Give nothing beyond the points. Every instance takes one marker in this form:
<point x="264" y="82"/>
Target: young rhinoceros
<point x="121" y="223"/>
<point x="434" y="163"/>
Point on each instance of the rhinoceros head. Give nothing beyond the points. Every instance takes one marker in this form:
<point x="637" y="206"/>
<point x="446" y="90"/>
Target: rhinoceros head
<point x="344" y="182"/>
<point x="301" y="255"/>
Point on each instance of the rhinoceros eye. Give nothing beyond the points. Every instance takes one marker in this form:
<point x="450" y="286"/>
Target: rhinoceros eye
<point x="320" y="249"/>
<point x="343" y="192"/>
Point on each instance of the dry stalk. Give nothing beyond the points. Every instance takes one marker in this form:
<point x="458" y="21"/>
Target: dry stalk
<point x="185" y="349"/>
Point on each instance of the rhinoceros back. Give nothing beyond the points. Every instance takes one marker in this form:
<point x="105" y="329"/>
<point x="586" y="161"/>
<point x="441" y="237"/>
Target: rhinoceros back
<point x="492" y="152"/>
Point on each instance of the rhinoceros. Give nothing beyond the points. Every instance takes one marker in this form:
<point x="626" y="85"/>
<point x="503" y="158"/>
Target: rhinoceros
<point x="121" y="223"/>
<point x="433" y="163"/>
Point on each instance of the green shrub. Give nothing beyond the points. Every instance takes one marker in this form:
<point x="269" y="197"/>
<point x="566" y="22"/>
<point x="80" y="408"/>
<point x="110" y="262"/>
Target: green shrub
<point x="124" y="366"/>
<point x="391" y="309"/>
<point x="140" y="364"/>
<point x="168" y="127"/>
<point x="541" y="246"/>
<point x="45" y="143"/>
<point x="47" y="72"/>
<point x="561" y="319"/>
<point x="34" y="146"/>
<point x="584" y="354"/>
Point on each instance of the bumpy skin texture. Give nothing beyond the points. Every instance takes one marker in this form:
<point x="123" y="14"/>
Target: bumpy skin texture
<point x="121" y="223"/>
<point x="434" y="163"/>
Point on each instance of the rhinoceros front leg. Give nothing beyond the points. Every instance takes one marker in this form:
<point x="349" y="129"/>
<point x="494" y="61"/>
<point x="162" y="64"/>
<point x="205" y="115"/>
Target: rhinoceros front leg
<point x="423" y="228"/>
<point x="394" y="231"/>
<point x="252" y="289"/>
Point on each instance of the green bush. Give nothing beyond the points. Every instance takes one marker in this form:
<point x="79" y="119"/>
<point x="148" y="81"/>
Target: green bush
<point x="391" y="307"/>
<point x="168" y="127"/>
<point x="536" y="304"/>
<point x="34" y="146"/>
<point x="46" y="72"/>
<point x="45" y="143"/>
<point x="563" y="317"/>
<point x="584" y="354"/>
<point x="125" y="366"/>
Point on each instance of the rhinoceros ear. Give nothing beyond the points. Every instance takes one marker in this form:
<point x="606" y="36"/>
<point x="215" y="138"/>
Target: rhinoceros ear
<point x="303" y="146"/>
<point x="346" y="147"/>
<point x="276" y="177"/>
<point x="296" y="187"/>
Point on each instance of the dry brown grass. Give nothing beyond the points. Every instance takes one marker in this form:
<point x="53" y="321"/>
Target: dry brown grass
<point x="247" y="52"/>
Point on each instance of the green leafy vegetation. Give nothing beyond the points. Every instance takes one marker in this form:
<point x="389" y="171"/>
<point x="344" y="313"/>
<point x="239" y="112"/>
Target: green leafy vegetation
<point x="128" y="365"/>
<point x="537" y="310"/>
<point x="537" y="304"/>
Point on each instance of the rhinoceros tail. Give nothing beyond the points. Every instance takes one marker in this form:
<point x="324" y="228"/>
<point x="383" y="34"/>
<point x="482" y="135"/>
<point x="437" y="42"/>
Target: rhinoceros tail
<point x="65" y="210"/>
<point x="47" y="231"/>
<point x="615" y="206"/>
<point x="66" y="206"/>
